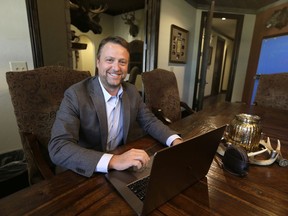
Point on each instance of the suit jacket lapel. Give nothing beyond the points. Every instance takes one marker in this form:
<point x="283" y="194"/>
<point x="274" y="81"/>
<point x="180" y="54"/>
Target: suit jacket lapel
<point x="99" y="104"/>
<point x="126" y="114"/>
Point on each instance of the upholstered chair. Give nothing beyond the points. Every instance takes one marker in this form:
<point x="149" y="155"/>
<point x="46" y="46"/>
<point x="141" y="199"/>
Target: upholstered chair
<point x="134" y="72"/>
<point x="161" y="95"/>
<point x="36" y="95"/>
<point x="136" y="54"/>
<point x="272" y="91"/>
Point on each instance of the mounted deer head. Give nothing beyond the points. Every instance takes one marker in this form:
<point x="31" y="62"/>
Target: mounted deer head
<point x="84" y="17"/>
<point x="129" y="19"/>
<point x="279" y="19"/>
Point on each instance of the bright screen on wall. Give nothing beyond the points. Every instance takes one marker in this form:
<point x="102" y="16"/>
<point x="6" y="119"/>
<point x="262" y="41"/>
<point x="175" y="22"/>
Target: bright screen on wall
<point x="273" y="58"/>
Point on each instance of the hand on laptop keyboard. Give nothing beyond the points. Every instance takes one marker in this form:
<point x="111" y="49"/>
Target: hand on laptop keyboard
<point x="135" y="169"/>
<point x="176" y="142"/>
<point x="134" y="157"/>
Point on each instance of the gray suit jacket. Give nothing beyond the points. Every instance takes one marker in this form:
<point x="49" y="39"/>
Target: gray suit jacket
<point x="80" y="131"/>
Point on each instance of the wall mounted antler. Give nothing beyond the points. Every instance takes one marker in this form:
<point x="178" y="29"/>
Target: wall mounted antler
<point x="85" y="17"/>
<point x="279" y="19"/>
<point x="129" y="19"/>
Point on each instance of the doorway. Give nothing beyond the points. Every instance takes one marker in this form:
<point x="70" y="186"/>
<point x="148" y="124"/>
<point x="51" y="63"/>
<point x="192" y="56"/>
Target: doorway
<point x="224" y="42"/>
<point x="84" y="59"/>
<point x="217" y="73"/>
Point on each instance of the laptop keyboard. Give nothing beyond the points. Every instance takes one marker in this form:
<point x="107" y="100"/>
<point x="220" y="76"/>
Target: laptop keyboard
<point x="139" y="187"/>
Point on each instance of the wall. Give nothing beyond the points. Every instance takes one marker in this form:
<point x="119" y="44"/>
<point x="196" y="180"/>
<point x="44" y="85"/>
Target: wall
<point x="122" y="29"/>
<point x="259" y="32"/>
<point x="243" y="56"/>
<point x="184" y="16"/>
<point x="187" y="17"/>
<point x="86" y="59"/>
<point x="15" y="46"/>
<point x="229" y="48"/>
<point x="54" y="31"/>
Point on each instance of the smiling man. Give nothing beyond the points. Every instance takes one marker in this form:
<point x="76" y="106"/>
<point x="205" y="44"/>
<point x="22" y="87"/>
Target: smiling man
<point x="97" y="114"/>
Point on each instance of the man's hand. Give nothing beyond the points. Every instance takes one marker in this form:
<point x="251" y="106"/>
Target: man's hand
<point x="132" y="158"/>
<point x="176" y="142"/>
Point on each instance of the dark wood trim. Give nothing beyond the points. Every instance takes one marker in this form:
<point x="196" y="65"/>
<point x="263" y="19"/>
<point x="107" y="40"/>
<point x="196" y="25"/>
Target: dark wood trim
<point x="205" y="56"/>
<point x="152" y="34"/>
<point x="224" y="68"/>
<point x="239" y="26"/>
<point x="197" y="80"/>
<point x="35" y="36"/>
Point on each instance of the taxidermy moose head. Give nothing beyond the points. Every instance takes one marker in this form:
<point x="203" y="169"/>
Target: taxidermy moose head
<point x="129" y="19"/>
<point x="85" y="17"/>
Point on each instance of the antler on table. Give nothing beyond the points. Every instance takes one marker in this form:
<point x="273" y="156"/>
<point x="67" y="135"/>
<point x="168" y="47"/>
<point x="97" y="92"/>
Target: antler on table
<point x="275" y="155"/>
<point x="280" y="160"/>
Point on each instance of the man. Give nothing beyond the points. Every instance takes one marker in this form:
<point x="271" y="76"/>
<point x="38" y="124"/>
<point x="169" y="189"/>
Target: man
<point x="96" y="115"/>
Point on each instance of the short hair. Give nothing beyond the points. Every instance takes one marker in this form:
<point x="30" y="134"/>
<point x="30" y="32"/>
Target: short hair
<point x="113" y="39"/>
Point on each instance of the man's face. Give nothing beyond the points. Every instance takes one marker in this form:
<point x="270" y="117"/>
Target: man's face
<point x="112" y="65"/>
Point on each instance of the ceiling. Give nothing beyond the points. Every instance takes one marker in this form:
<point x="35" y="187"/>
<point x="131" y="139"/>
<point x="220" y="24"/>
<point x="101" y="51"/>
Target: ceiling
<point x="116" y="7"/>
<point x="235" y="6"/>
<point x="228" y="27"/>
<point x="225" y="27"/>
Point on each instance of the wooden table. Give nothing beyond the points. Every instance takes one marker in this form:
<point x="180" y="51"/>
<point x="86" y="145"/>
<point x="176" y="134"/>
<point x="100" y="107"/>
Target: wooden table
<point x="264" y="191"/>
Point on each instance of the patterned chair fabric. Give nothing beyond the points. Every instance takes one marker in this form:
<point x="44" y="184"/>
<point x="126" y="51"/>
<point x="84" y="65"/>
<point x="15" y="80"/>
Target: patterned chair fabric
<point x="161" y="93"/>
<point x="272" y="91"/>
<point x="36" y="96"/>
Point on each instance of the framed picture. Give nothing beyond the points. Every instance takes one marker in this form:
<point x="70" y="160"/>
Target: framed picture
<point x="178" y="45"/>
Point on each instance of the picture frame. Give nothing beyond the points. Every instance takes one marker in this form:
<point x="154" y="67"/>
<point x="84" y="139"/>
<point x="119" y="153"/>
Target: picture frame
<point x="178" y="45"/>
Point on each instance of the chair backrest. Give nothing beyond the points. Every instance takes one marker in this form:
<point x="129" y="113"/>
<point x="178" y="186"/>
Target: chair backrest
<point x="36" y="96"/>
<point x="272" y="91"/>
<point x="136" y="54"/>
<point x="161" y="92"/>
<point x="134" y="72"/>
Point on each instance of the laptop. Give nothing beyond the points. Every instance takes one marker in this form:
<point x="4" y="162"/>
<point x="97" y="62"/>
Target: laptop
<point x="170" y="171"/>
